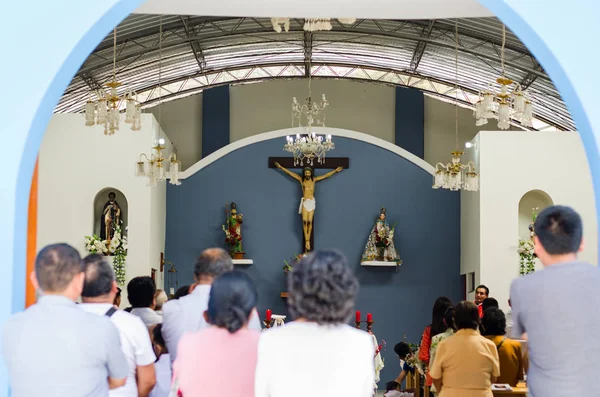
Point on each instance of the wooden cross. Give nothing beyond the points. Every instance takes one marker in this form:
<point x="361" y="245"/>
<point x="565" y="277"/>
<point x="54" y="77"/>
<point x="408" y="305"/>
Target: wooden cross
<point x="330" y="163"/>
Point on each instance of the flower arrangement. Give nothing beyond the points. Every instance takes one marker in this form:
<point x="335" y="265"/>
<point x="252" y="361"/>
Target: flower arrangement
<point x="288" y="266"/>
<point x="526" y="249"/>
<point x="384" y="238"/>
<point x="116" y="247"/>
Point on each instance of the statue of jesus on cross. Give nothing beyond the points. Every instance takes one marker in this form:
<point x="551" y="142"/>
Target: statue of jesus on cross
<point x="307" y="204"/>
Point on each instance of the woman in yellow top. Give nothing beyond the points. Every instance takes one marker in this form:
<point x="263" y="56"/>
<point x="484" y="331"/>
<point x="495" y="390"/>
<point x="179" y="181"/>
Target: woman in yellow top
<point x="466" y="364"/>
<point x="509" y="351"/>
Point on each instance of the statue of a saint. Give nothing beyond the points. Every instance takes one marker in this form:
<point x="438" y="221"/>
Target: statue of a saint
<point x="307" y="203"/>
<point x="111" y="217"/>
<point x="380" y="245"/>
<point x="233" y="232"/>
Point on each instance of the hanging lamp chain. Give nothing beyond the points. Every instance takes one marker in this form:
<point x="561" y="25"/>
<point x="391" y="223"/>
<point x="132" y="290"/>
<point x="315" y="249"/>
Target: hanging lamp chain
<point x="456" y="82"/>
<point x="160" y="33"/>
<point x="115" y="54"/>
<point x="502" y="50"/>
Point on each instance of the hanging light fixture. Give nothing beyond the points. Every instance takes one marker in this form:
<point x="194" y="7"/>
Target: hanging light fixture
<point x="455" y="175"/>
<point x="308" y="146"/>
<point x="105" y="110"/>
<point x="310" y="24"/>
<point x="155" y="165"/>
<point x="509" y="102"/>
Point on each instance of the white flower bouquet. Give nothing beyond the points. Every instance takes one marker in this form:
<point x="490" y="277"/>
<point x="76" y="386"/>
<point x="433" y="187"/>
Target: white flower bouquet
<point x="116" y="247"/>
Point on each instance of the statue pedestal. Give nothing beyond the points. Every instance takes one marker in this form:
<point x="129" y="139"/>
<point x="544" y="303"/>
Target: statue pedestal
<point x="381" y="264"/>
<point x="243" y="262"/>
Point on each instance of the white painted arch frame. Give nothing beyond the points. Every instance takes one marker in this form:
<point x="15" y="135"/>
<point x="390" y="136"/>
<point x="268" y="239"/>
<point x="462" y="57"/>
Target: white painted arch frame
<point x="334" y="132"/>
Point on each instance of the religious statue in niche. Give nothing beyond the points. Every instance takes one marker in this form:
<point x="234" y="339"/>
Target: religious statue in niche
<point x="307" y="203"/>
<point x="111" y="217"/>
<point x="380" y="245"/>
<point x="233" y="231"/>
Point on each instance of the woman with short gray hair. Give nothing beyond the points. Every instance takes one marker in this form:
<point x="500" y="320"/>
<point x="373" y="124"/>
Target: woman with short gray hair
<point x="318" y="354"/>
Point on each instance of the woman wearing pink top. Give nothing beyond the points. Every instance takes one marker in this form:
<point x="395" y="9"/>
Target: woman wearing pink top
<point x="207" y="359"/>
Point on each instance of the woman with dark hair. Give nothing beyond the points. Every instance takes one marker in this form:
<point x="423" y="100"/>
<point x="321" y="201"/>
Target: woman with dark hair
<point x="435" y="341"/>
<point x="318" y="354"/>
<point x="509" y="351"/>
<point x="436" y="327"/>
<point x="466" y="364"/>
<point x="207" y="359"/>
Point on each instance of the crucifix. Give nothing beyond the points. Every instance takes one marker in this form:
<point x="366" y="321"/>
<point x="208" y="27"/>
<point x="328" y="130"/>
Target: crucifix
<point x="307" y="182"/>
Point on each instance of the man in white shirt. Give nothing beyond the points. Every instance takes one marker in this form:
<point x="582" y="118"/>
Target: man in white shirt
<point x="187" y="313"/>
<point x="141" y="293"/>
<point x="99" y="291"/>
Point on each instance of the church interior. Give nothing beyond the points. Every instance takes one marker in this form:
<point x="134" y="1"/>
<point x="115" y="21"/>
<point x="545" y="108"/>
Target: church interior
<point x="183" y="130"/>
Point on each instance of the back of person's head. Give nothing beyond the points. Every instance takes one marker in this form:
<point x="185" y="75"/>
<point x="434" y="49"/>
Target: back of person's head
<point x="156" y="334"/>
<point x="99" y="277"/>
<point x="212" y="262"/>
<point x="392" y="385"/>
<point x="488" y="303"/>
<point x="56" y="267"/>
<point x="402" y="349"/>
<point x="493" y="322"/>
<point x="161" y="298"/>
<point x="232" y="298"/>
<point x="449" y="318"/>
<point x="466" y="315"/>
<point x="440" y="306"/>
<point x="140" y="291"/>
<point x="322" y="288"/>
<point x="559" y="231"/>
<point x="158" y="341"/>
<point x="182" y="291"/>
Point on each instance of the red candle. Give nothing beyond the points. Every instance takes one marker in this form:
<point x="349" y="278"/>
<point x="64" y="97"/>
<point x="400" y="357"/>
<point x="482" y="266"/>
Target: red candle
<point x="269" y="312"/>
<point x="369" y="317"/>
<point x="358" y="316"/>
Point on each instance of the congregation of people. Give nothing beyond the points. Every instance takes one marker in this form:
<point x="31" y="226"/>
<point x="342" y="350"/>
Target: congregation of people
<point x="207" y="341"/>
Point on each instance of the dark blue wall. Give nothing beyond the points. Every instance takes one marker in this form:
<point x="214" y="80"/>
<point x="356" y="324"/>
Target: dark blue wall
<point x="427" y="229"/>
<point x="410" y="120"/>
<point x="215" y="119"/>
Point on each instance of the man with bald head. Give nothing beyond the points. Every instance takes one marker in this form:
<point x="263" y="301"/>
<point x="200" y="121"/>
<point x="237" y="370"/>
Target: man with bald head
<point x="186" y="314"/>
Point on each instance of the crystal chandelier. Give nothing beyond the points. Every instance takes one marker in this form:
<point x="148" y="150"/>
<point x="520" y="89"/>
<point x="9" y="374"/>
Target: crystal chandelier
<point x="509" y="102"/>
<point x="310" y="24"/>
<point x="455" y="175"/>
<point x="154" y="166"/>
<point x="105" y="110"/>
<point x="308" y="146"/>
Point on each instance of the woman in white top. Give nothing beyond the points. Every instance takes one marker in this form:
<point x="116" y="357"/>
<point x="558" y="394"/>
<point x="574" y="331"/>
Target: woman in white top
<point x="317" y="355"/>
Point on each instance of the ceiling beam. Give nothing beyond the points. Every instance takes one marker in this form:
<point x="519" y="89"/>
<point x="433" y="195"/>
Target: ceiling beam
<point x="308" y="49"/>
<point x="91" y="81"/>
<point x="420" y="48"/>
<point x="531" y="77"/>
<point x="342" y="31"/>
<point x="190" y="32"/>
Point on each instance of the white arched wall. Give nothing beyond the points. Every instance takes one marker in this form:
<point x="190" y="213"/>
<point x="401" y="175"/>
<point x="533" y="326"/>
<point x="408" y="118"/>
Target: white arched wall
<point x="535" y="198"/>
<point x="539" y="200"/>
<point x="511" y="164"/>
<point x="64" y="46"/>
<point x="78" y="163"/>
<point x="419" y="162"/>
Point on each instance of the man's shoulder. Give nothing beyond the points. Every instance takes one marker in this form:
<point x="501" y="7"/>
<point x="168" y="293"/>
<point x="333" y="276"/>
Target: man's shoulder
<point x="127" y="322"/>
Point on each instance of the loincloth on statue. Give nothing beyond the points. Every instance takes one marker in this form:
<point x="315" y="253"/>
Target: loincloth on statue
<point x="309" y="205"/>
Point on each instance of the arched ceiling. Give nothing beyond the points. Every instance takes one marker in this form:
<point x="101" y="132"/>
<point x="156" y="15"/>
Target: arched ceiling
<point x="202" y="52"/>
